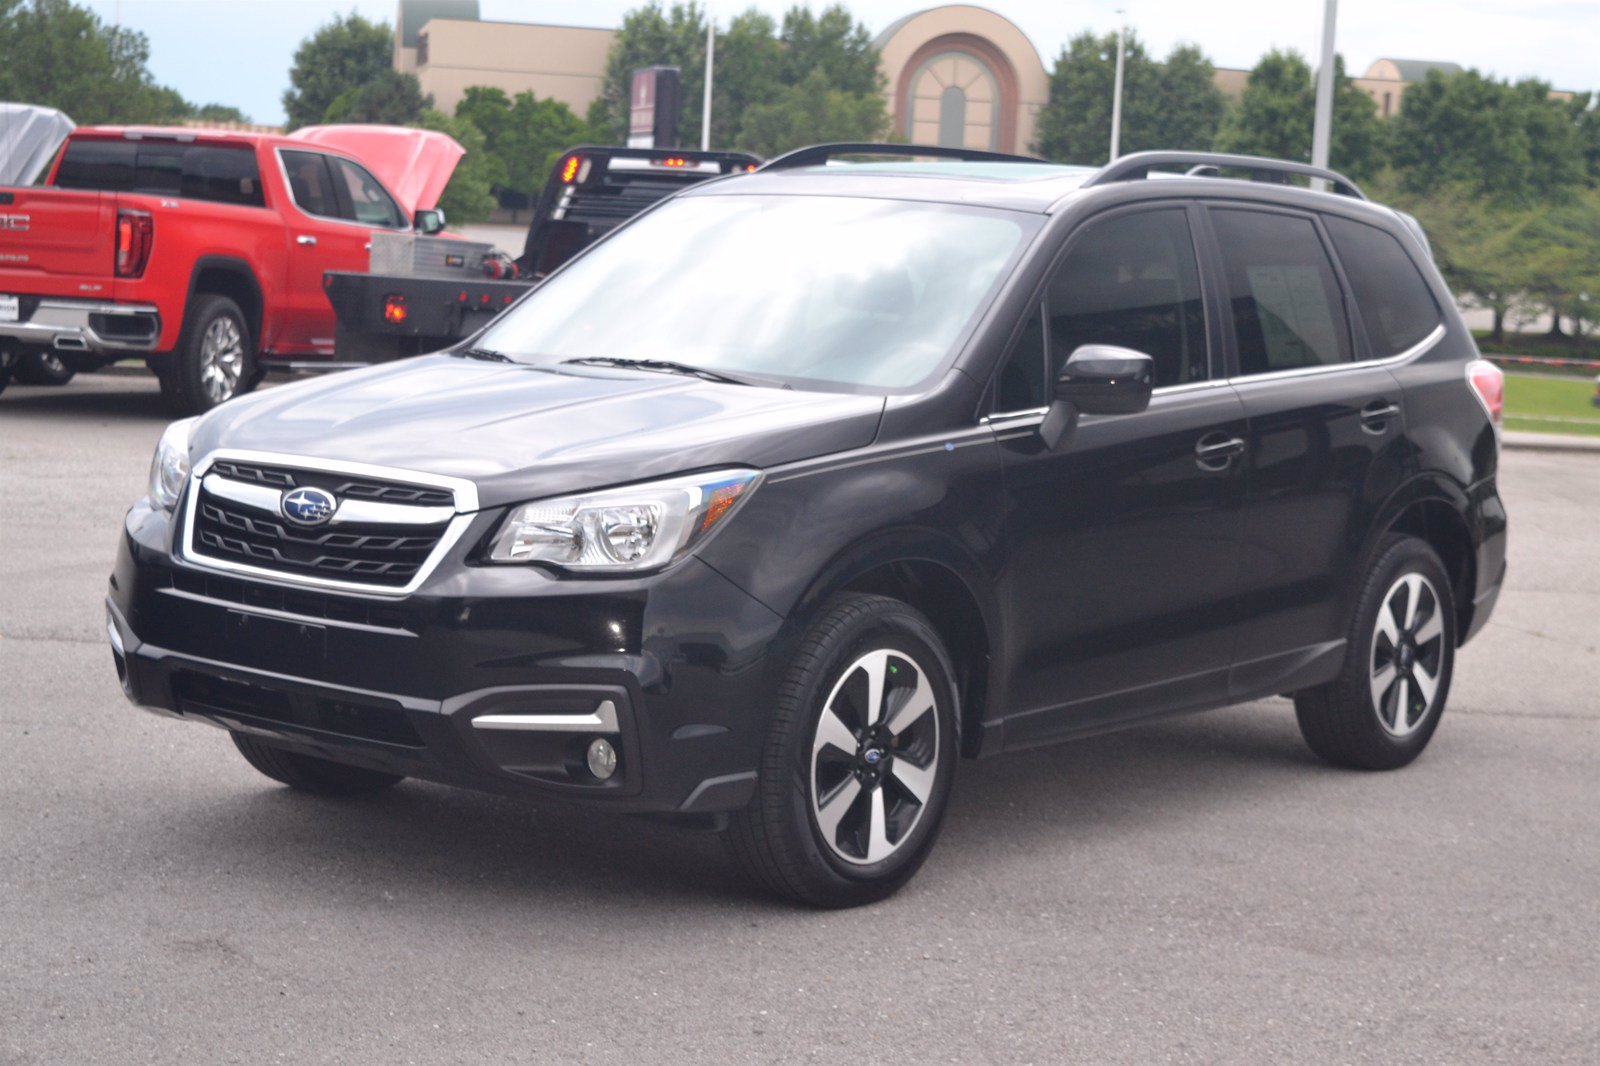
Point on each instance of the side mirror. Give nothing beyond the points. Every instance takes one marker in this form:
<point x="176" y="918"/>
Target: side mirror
<point x="429" y="220"/>
<point x="1098" y="379"/>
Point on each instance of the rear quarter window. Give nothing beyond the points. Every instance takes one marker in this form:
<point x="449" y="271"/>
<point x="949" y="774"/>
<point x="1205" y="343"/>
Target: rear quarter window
<point x="216" y="173"/>
<point x="1395" y="302"/>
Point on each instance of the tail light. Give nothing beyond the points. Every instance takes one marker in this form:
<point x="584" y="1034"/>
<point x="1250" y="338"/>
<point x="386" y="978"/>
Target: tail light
<point x="1489" y="384"/>
<point x="569" y="169"/>
<point x="135" y="235"/>
<point x="394" y="308"/>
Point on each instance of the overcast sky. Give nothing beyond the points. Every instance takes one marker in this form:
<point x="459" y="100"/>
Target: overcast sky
<point x="238" y="51"/>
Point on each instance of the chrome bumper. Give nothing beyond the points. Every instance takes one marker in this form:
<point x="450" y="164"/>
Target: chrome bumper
<point x="87" y="326"/>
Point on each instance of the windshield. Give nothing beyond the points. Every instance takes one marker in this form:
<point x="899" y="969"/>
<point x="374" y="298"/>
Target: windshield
<point x="824" y="289"/>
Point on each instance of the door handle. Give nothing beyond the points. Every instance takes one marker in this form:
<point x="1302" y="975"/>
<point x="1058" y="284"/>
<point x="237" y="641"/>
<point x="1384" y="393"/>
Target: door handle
<point x="305" y="238"/>
<point x="1375" y="416"/>
<point x="1216" y="451"/>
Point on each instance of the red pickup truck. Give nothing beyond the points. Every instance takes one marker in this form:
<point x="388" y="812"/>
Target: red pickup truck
<point x="204" y="251"/>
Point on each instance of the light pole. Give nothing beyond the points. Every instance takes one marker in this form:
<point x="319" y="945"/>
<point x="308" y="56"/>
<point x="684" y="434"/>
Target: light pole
<point x="1322" y="128"/>
<point x="1116" y="91"/>
<point x="705" y="106"/>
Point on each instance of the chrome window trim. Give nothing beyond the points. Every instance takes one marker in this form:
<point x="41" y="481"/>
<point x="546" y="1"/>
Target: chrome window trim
<point x="283" y="172"/>
<point x="1155" y="394"/>
<point x="1416" y="350"/>
<point x="464" y="491"/>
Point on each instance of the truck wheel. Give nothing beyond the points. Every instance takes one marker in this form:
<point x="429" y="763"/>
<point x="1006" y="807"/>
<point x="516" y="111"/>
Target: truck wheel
<point x="214" y="361"/>
<point x="42" y="368"/>
<point x="1382" y="709"/>
<point x="859" y="759"/>
<point x="307" y="773"/>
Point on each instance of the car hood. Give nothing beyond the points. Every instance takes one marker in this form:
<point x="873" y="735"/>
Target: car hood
<point x="521" y="433"/>
<point x="413" y="164"/>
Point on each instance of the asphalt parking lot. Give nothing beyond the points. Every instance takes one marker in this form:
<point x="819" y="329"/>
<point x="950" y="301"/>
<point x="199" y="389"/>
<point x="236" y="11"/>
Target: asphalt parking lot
<point x="1200" y="890"/>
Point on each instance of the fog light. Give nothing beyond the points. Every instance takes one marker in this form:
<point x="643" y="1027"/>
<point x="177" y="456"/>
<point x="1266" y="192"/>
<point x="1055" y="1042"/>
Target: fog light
<point x="602" y="759"/>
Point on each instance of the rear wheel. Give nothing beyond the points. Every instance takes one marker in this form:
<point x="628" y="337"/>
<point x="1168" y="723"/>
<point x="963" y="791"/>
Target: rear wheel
<point x="214" y="360"/>
<point x="1382" y="709"/>
<point x="42" y="368"/>
<point x="306" y="773"/>
<point x="859" y="759"/>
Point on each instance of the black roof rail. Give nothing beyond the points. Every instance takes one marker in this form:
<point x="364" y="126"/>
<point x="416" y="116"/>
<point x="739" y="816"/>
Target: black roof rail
<point x="1211" y="164"/>
<point x="818" y="154"/>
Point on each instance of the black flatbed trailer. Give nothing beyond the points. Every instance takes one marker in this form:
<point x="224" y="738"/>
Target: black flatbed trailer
<point x="591" y="191"/>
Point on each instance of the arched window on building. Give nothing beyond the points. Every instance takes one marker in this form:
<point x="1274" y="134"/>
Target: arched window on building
<point x="955" y="102"/>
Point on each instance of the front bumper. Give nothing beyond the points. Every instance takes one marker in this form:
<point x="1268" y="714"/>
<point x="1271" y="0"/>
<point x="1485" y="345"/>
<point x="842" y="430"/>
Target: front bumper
<point x="495" y="678"/>
<point x="85" y="325"/>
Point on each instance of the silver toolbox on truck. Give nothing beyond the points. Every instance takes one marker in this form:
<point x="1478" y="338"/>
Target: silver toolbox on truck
<point x="432" y="257"/>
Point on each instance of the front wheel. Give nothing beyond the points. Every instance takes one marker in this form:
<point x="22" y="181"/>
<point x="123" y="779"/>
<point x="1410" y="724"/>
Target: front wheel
<point x="42" y="368"/>
<point x="1382" y="709"/>
<point x="859" y="759"/>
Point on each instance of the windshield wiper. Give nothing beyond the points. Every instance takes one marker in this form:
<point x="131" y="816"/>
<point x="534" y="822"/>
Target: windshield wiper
<point x="667" y="366"/>
<point x="486" y="354"/>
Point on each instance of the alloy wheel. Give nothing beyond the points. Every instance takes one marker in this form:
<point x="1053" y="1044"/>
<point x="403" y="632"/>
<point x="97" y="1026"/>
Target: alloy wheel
<point x="1407" y="655"/>
<point x="874" y="757"/>
<point x="221" y="359"/>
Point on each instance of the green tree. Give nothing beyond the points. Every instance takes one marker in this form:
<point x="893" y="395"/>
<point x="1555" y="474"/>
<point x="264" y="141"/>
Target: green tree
<point x="524" y="135"/>
<point x="391" y="99"/>
<point x="469" y="196"/>
<point x="58" y="54"/>
<point x="759" y="68"/>
<point x="342" y="55"/>
<point x="832" y="42"/>
<point x="1174" y="104"/>
<point x="653" y="36"/>
<point x="1191" y="107"/>
<point x="1504" y="140"/>
<point x="812" y="112"/>
<point x="1075" y="124"/>
<point x="1276" y="113"/>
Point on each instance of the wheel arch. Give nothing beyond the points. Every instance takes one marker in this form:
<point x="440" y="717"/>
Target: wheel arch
<point x="221" y="275"/>
<point x="937" y="577"/>
<point x="1435" y="513"/>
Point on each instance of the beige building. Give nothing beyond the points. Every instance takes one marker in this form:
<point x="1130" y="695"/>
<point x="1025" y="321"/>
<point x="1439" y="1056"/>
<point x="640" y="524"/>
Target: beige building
<point x="449" y="48"/>
<point x="957" y="75"/>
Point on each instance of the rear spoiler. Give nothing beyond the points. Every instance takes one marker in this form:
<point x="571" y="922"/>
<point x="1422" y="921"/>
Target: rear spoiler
<point x="593" y="189"/>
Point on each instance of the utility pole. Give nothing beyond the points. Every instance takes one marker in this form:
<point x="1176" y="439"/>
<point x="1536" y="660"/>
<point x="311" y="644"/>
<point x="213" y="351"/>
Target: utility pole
<point x="1116" y="91"/>
<point x="705" y="106"/>
<point x="1322" y="128"/>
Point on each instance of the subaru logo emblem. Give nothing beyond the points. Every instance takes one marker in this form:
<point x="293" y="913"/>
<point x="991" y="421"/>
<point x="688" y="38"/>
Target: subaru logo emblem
<point x="308" y="507"/>
<point x="873" y="756"/>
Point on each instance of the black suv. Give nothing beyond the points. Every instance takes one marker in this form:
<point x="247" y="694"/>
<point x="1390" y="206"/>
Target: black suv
<point x="805" y="482"/>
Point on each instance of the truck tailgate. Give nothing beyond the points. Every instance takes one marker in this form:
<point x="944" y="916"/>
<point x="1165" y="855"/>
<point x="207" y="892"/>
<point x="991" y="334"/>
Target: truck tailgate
<point x="50" y="236"/>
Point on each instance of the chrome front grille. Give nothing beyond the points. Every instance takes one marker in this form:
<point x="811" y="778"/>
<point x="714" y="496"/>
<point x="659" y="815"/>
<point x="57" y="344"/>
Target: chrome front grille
<point x="387" y="532"/>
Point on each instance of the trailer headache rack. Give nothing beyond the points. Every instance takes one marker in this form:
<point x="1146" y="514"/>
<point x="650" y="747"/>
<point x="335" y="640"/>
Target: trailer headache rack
<point x="1138" y="166"/>
<point x="819" y="154"/>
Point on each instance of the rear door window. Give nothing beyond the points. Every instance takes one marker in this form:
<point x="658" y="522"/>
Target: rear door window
<point x="1288" y="309"/>
<point x="1397" y="308"/>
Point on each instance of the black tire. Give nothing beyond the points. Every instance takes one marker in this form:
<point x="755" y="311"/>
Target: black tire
<point x="5" y="373"/>
<point x="307" y="773"/>
<point x="777" y="840"/>
<point x="42" y="368"/>
<point x="195" y="377"/>
<point x="1346" y="721"/>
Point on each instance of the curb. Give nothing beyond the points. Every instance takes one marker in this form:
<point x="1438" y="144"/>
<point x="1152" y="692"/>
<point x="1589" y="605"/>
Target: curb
<point x="1524" y="440"/>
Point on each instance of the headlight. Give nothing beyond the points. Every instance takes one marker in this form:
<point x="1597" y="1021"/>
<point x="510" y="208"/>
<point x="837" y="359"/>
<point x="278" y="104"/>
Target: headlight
<point x="637" y="528"/>
<point x="170" y="467"/>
